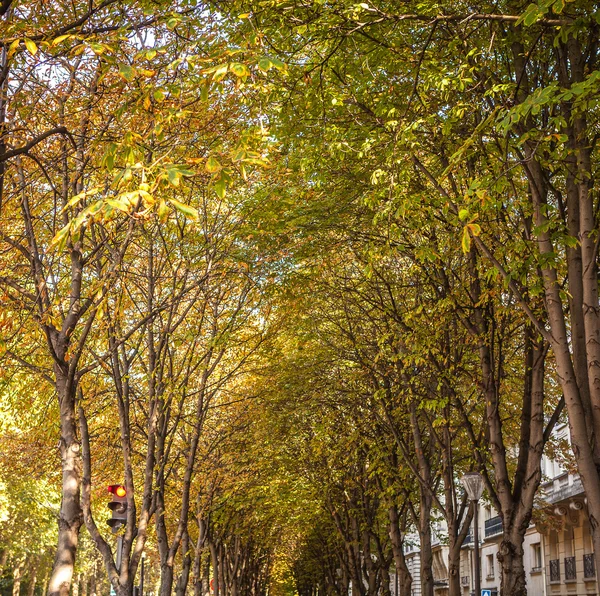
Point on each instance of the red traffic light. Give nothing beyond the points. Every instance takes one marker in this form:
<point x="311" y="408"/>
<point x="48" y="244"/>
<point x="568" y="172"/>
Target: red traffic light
<point x="118" y="506"/>
<point x="117" y="489"/>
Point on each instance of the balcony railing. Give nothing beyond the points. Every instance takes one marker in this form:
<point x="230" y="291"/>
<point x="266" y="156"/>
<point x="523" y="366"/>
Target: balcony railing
<point x="589" y="566"/>
<point x="465" y="580"/>
<point x="468" y="538"/>
<point x="493" y="526"/>
<point x="570" y="568"/>
<point x="554" y="570"/>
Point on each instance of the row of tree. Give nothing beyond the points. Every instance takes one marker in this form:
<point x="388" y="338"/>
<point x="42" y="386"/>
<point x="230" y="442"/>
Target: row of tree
<point x="440" y="202"/>
<point x="130" y="289"/>
<point x="292" y="269"/>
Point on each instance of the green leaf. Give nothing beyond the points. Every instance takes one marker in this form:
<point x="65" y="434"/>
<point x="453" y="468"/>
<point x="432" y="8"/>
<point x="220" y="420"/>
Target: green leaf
<point x="127" y="72"/>
<point x="97" y="48"/>
<point x="212" y="165"/>
<point x="187" y="210"/>
<point x="204" y="92"/>
<point x="60" y="239"/>
<point x="218" y="72"/>
<point x="173" y="176"/>
<point x="265" y="64"/>
<point x="220" y="187"/>
<point x="176" y="171"/>
<point x="278" y="64"/>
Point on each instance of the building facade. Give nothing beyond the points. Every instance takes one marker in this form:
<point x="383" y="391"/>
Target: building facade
<point x="558" y="552"/>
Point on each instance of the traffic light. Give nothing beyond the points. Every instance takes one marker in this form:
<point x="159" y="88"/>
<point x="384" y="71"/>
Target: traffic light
<point x="118" y="505"/>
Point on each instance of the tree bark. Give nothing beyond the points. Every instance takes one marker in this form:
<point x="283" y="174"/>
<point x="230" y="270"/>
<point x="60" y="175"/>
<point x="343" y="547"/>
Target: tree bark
<point x="182" y="582"/>
<point x="32" y="578"/>
<point x="17" y="571"/>
<point x="70" y="515"/>
<point x="397" y="540"/>
<point x="510" y="555"/>
<point x="215" y="567"/>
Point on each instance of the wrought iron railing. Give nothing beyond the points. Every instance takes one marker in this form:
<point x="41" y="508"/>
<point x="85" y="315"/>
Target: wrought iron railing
<point x="554" y="570"/>
<point x="570" y="568"/>
<point x="493" y="526"/>
<point x="589" y="566"/>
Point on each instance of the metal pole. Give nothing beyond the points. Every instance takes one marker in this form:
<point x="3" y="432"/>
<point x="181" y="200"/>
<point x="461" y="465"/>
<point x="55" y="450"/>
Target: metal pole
<point x="477" y="561"/>
<point x="119" y="552"/>
<point x="142" y="577"/>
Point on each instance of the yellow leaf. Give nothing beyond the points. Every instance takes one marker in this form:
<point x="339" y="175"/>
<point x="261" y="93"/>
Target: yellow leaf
<point x="163" y="211"/>
<point x="77" y="198"/>
<point x="120" y="205"/>
<point x="59" y="39"/>
<point x="60" y="239"/>
<point x="239" y="70"/>
<point x="13" y="47"/>
<point x="31" y="47"/>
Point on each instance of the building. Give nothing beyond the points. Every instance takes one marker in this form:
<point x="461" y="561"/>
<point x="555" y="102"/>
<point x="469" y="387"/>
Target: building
<point x="564" y="528"/>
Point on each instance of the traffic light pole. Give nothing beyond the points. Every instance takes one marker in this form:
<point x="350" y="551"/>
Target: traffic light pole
<point x="119" y="552"/>
<point x="142" y="577"/>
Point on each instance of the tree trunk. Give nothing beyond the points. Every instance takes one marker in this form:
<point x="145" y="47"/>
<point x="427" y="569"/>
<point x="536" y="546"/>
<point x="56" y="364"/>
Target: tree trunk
<point x="32" y="578"/>
<point x="206" y="578"/>
<point x="17" y="580"/>
<point x="70" y="516"/>
<point x="182" y="582"/>
<point x="166" y="580"/>
<point x="510" y="555"/>
<point x="197" y="570"/>
<point x="220" y="579"/>
<point x="3" y="560"/>
<point x="454" y="571"/>
<point x="215" y="567"/>
<point x="404" y="576"/>
<point x="426" y="552"/>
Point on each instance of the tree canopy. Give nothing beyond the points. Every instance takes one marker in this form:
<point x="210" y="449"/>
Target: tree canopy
<point x="285" y="271"/>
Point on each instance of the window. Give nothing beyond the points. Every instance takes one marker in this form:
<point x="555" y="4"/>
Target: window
<point x="536" y="557"/>
<point x="490" y="567"/>
<point x="553" y="544"/>
<point x="569" y="539"/>
<point x="544" y="466"/>
<point x="554" y="570"/>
